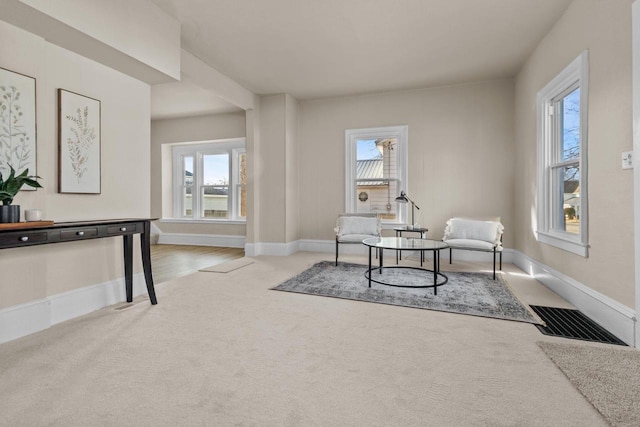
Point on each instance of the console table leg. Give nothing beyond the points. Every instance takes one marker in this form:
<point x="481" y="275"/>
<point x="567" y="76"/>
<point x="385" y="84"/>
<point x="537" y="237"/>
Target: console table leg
<point x="128" y="265"/>
<point x="145" y="246"/>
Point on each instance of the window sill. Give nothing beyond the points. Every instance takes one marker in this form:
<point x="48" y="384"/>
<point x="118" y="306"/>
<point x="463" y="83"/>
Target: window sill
<point x="563" y="243"/>
<point x="203" y="221"/>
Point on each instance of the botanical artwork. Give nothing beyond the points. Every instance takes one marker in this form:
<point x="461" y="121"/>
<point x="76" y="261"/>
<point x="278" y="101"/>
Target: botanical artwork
<point x="79" y="143"/>
<point x="17" y="123"/>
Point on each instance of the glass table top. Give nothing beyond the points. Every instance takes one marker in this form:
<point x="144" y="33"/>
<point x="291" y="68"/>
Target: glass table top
<point x="404" y="243"/>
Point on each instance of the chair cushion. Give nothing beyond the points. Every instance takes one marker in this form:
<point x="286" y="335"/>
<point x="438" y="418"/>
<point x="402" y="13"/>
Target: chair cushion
<point x="367" y="226"/>
<point x="353" y="238"/>
<point x="469" y="229"/>
<point x="478" y="245"/>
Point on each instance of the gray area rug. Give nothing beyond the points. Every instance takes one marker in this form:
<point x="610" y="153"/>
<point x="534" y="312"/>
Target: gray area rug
<point x="607" y="376"/>
<point x="466" y="293"/>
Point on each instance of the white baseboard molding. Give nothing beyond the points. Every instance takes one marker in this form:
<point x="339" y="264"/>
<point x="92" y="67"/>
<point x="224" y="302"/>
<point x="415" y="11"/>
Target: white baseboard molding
<point x="202" y="240"/>
<point x="275" y="249"/>
<point x="617" y="318"/>
<point x="24" y="319"/>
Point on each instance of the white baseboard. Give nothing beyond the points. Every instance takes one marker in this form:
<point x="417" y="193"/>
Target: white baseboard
<point x="202" y="240"/>
<point x="34" y="316"/>
<point x="276" y="249"/>
<point x="617" y="318"/>
<point x="24" y="319"/>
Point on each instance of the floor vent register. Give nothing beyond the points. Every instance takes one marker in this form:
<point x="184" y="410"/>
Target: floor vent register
<point x="567" y="323"/>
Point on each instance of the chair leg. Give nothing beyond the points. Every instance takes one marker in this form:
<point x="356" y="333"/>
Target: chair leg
<point x="500" y="261"/>
<point x="494" y="264"/>
<point x="450" y="257"/>
<point x="336" y="252"/>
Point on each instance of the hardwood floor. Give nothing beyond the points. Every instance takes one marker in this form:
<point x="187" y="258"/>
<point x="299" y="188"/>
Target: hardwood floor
<point x="171" y="261"/>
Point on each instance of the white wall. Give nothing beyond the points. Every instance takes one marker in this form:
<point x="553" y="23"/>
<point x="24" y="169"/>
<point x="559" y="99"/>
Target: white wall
<point x="37" y="272"/>
<point x="460" y="153"/>
<point x="604" y="28"/>
<point x="292" y="208"/>
<point x="273" y="183"/>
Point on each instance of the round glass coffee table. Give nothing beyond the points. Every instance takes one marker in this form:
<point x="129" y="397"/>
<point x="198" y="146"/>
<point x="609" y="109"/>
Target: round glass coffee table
<point x="433" y="278"/>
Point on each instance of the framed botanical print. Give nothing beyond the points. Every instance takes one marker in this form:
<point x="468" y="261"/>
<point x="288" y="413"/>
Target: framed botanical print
<point x="17" y="123"/>
<point x="78" y="143"/>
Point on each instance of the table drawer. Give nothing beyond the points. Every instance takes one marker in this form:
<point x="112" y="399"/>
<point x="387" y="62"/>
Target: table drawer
<point x="17" y="239"/>
<point x="122" y="228"/>
<point x="78" y="233"/>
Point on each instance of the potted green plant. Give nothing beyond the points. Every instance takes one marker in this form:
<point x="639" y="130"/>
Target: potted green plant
<point x="9" y="188"/>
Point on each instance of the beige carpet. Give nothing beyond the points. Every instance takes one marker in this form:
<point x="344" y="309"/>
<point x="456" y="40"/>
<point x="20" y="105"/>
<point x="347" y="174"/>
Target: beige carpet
<point x="222" y="349"/>
<point x="608" y="376"/>
<point x="229" y="266"/>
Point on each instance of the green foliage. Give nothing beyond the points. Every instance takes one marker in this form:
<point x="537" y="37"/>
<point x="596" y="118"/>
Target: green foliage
<point x="10" y="187"/>
<point x="570" y="213"/>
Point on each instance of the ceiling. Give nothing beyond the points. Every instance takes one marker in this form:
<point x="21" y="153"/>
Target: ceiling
<point x="322" y="48"/>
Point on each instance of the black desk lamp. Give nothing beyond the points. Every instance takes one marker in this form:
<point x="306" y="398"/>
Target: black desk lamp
<point x="403" y="198"/>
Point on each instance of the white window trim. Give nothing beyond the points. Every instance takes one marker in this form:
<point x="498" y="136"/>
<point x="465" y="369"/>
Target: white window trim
<point x="401" y="133"/>
<point x="576" y="72"/>
<point x="233" y="147"/>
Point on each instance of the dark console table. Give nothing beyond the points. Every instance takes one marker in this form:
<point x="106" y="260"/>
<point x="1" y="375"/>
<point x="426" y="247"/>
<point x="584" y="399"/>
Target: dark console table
<point x="31" y="234"/>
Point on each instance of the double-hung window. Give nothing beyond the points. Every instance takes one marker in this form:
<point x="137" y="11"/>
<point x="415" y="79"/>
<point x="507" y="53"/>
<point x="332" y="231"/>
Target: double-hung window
<point x="376" y="171"/>
<point x="562" y="159"/>
<point x="209" y="180"/>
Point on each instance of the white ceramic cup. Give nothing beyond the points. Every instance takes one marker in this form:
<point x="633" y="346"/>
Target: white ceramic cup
<point x="32" y="214"/>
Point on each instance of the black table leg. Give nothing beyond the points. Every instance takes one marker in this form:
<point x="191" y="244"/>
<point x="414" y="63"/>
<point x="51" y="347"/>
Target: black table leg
<point x="145" y="246"/>
<point x="381" y="255"/>
<point x="128" y="265"/>
<point x="436" y="269"/>
<point x="370" y="266"/>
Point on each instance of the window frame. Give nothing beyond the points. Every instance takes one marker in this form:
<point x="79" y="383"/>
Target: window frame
<point x="232" y="148"/>
<point x="401" y="134"/>
<point x="575" y="75"/>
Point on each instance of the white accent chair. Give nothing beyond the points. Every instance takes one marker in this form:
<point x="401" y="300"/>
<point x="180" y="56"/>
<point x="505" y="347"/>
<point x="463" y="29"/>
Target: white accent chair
<point x="354" y="228"/>
<point x="474" y="234"/>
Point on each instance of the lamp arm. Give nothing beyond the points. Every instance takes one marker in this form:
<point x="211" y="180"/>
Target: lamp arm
<point x="412" y="202"/>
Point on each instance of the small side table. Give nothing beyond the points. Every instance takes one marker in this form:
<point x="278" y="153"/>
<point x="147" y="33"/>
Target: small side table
<point x="423" y="235"/>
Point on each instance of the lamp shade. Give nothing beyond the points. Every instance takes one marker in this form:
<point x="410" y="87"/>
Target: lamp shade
<point x="402" y="198"/>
